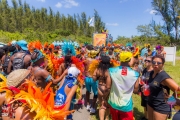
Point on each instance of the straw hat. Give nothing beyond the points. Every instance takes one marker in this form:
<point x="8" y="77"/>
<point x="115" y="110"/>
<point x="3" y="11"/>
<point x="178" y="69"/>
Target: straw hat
<point x="16" y="77"/>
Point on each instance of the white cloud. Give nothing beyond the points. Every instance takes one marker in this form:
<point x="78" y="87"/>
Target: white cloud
<point x="153" y="12"/>
<point x="67" y="3"/>
<point x="150" y="11"/>
<point x="58" y="5"/>
<point x="42" y="0"/>
<point x="112" y="24"/>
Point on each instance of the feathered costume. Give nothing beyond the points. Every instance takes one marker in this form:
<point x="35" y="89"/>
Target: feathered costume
<point x="94" y="64"/>
<point x="144" y="51"/>
<point x="53" y="62"/>
<point x="68" y="48"/>
<point x="136" y="52"/>
<point x="40" y="102"/>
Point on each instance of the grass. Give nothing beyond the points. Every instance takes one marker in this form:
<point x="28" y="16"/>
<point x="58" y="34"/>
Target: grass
<point x="178" y="53"/>
<point x="173" y="71"/>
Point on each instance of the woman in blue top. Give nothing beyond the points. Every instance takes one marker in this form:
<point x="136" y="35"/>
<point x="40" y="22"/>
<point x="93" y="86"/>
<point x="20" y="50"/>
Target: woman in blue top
<point x="67" y="89"/>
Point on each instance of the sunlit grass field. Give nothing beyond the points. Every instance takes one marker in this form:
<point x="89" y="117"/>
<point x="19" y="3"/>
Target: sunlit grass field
<point x="178" y="53"/>
<point x="173" y="71"/>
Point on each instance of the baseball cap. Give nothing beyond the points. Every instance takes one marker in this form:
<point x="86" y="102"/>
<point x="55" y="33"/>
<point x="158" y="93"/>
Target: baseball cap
<point x="22" y="44"/>
<point x="73" y="72"/>
<point x="125" y="56"/>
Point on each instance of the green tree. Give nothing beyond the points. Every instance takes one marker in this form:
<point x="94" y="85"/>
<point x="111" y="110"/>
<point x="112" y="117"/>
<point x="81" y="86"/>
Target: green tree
<point x="169" y="10"/>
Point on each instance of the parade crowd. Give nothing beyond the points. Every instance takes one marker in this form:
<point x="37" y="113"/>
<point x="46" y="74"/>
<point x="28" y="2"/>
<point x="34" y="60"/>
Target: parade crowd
<point x="41" y="81"/>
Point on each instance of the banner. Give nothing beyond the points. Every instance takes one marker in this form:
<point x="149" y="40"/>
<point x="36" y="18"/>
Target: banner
<point x="99" y="40"/>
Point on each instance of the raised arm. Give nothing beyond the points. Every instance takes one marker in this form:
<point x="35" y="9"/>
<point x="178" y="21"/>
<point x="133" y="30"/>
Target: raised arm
<point x="56" y="81"/>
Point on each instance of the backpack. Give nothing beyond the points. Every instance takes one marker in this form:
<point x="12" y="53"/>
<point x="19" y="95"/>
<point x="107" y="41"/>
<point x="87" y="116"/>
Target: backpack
<point x="6" y="62"/>
<point x="18" y="63"/>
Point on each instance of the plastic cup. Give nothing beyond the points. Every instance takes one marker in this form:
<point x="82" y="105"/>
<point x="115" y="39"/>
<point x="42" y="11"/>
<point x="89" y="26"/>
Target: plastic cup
<point x="142" y="81"/>
<point x="146" y="90"/>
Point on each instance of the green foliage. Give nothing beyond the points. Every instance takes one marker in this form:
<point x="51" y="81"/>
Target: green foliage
<point x="20" y="21"/>
<point x="151" y="33"/>
<point x="30" y="35"/>
<point x="122" y="40"/>
<point x="178" y="53"/>
<point x="169" y="10"/>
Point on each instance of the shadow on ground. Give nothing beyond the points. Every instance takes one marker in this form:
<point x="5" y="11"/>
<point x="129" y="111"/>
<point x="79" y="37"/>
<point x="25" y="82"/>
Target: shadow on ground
<point x="137" y="114"/>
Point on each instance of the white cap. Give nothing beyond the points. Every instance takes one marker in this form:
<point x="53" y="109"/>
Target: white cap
<point x="73" y="71"/>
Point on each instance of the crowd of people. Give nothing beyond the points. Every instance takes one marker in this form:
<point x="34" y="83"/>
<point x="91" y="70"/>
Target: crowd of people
<point x="44" y="81"/>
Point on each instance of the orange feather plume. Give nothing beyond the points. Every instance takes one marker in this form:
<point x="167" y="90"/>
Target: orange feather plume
<point x="38" y="101"/>
<point x="38" y="45"/>
<point x="30" y="46"/>
<point x="79" y="64"/>
<point x="108" y="44"/>
<point x="136" y="52"/>
<point x="114" y="63"/>
<point x="51" y="46"/>
<point x="46" y="44"/>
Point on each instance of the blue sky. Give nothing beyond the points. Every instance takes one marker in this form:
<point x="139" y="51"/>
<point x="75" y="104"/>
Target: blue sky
<point x="121" y="16"/>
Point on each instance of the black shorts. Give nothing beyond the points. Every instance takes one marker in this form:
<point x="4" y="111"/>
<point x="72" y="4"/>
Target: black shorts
<point x="143" y="101"/>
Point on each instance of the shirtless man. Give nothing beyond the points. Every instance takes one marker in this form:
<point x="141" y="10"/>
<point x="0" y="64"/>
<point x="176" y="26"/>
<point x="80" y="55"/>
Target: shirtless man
<point x="89" y="82"/>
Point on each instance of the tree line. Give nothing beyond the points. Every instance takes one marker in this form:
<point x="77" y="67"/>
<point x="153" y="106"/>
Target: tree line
<point x="44" y="24"/>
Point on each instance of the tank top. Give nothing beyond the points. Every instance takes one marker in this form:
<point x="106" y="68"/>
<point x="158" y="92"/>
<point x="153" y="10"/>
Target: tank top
<point x="61" y="96"/>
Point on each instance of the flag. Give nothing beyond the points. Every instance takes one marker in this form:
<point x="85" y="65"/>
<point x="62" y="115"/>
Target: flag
<point x="91" y="22"/>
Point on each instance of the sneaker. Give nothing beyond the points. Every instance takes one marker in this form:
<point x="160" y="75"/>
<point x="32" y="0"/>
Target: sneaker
<point x="92" y="110"/>
<point x="88" y="107"/>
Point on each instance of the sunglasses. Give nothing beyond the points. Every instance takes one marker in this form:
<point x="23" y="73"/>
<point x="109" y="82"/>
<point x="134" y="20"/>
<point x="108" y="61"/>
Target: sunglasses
<point x="147" y="61"/>
<point x="158" y="63"/>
